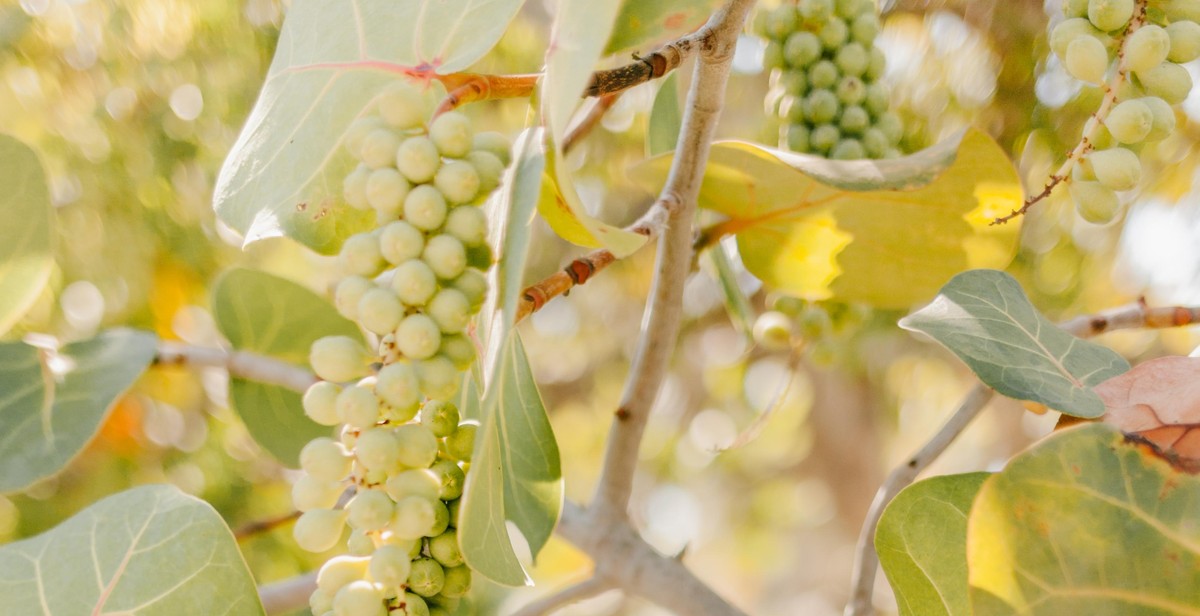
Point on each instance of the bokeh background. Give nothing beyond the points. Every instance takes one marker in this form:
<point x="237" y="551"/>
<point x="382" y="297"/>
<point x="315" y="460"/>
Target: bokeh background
<point x="132" y="105"/>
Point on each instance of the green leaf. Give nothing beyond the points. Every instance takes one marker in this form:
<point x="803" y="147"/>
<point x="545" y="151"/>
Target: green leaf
<point x="580" y="29"/>
<point x="643" y="23"/>
<point x="984" y="318"/>
<point x="922" y="544"/>
<point x="26" y="236"/>
<point x="666" y="118"/>
<point x="1086" y="523"/>
<point x="284" y="174"/>
<point x="883" y="232"/>
<point x="272" y="316"/>
<point x="147" y="551"/>
<point x="52" y="403"/>
<point x="515" y="473"/>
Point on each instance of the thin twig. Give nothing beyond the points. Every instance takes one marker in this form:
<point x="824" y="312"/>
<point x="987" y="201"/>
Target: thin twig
<point x="242" y="364"/>
<point x="866" y="561"/>
<point x="594" y="114"/>
<point x="576" y="592"/>
<point x="1087" y="142"/>
<point x="263" y="526"/>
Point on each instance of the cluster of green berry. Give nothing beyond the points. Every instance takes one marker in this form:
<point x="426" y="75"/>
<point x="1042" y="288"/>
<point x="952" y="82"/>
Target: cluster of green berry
<point x="399" y="441"/>
<point x="824" y="330"/>
<point x="1140" y="45"/>
<point x="825" y="79"/>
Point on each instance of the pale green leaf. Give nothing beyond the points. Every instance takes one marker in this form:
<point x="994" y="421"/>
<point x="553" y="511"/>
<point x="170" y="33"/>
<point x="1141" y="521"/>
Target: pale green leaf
<point x="272" y="316"/>
<point x="149" y="551"/>
<point x="883" y="232"/>
<point x="26" y="236"/>
<point x="1086" y="523"/>
<point x="284" y="174"/>
<point x="666" y="118"/>
<point x="644" y="23"/>
<point x="52" y="403"/>
<point x="922" y="545"/>
<point x="984" y="318"/>
<point x="579" y="32"/>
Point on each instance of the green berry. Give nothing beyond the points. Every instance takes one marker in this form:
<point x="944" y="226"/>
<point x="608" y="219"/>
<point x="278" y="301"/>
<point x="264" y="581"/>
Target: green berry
<point x="414" y="282"/>
<point x="1094" y="202"/>
<point x="325" y="459"/>
<point x="379" y="148"/>
<point x="815" y="11"/>
<point x="459" y="350"/>
<point x="311" y="493"/>
<point x="456" y="581"/>
<point x="338" y="358"/>
<point x="358" y="407"/>
<point x="821" y="106"/>
<point x="494" y="142"/>
<point x="359" y="256"/>
<point x="400" y="242"/>
<point x="458" y="181"/>
<point x="1075" y="8"/>
<point x="349" y="290"/>
<point x="851" y="91"/>
<point x="451" y="478"/>
<point x="318" y="530"/>
<point x="796" y="137"/>
<point x="865" y="28"/>
<point x="1109" y="15"/>
<point x="444" y="549"/>
<point x="824" y="137"/>
<point x="802" y="49"/>
<point x="426" y="578"/>
<point x="1185" y="41"/>
<point x="847" y="149"/>
<point x="854" y="120"/>
<point x="403" y="106"/>
<point x="425" y="208"/>
<point x="1067" y="31"/>
<point x="359" y="543"/>
<point x="1130" y="121"/>
<point x="1116" y="168"/>
<point x="875" y="66"/>
<point x="339" y="571"/>
<point x="357" y="132"/>
<point x="773" y="57"/>
<point x="782" y="21"/>
<point x="823" y="75"/>
<point x="354" y="188"/>
<point x="390" y="566"/>
<point x="852" y="60"/>
<point x="320" y="403"/>
<point x="418" y="337"/>
<point x="379" y="311"/>
<point x="773" y="331"/>
<point x="376" y="449"/>
<point x="385" y="192"/>
<point x="1168" y="81"/>
<point x="438" y="377"/>
<point x="468" y="224"/>
<point x="834" y="34"/>
<point x="461" y="443"/>
<point x="473" y="284"/>
<point x="414" y="482"/>
<point x="1086" y="59"/>
<point x="359" y="598"/>
<point x="450" y="310"/>
<point x="397" y="385"/>
<point x="370" y="510"/>
<point x="451" y="133"/>
<point x="874" y="143"/>
<point x="1163" y="123"/>
<point x="891" y="126"/>
<point x="413" y="518"/>
<point x="877" y="99"/>
<point x="1146" y="48"/>
<point x="488" y="167"/>
<point x="413" y="605"/>
<point x="446" y="256"/>
<point x="417" y="158"/>
<point x="793" y="82"/>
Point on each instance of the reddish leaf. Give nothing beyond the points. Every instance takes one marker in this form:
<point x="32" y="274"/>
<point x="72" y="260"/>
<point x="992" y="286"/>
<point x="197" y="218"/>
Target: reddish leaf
<point x="1159" y="400"/>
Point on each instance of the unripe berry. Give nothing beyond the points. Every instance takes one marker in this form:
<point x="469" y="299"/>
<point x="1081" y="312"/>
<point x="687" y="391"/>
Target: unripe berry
<point x="418" y="337"/>
<point x="438" y="377"/>
<point x="1116" y="168"/>
<point x="357" y="132"/>
<point x="426" y="578"/>
<point x="450" y="310"/>
<point x="1086" y="59"/>
<point x="459" y="350"/>
<point x="397" y="385"/>
<point x="854" y="120"/>
<point x="370" y="510"/>
<point x="425" y="208"/>
<point x="793" y="82"/>
<point x="339" y="571"/>
<point x="852" y="59"/>
<point x="783" y="20"/>
<point x="891" y="125"/>
<point x="359" y="598"/>
<point x="379" y="148"/>
<point x="460" y="444"/>
<point x="458" y="181"/>
<point x="441" y="519"/>
<point x="320" y="602"/>
<point x="354" y="188"/>
<point x="456" y="581"/>
<point x="1185" y="41"/>
<point x="379" y="311"/>
<point x="417" y="158"/>
<point x="400" y="241"/>
<point x="821" y="106"/>
<point x="358" y="407"/>
<point x="414" y="482"/>
<point x="417" y="445"/>
<point x="311" y="493"/>
<point x="468" y="224"/>
<point x="441" y="417"/>
<point x="847" y="149"/>
<point x="834" y="34"/>
<point x="1075" y="8"/>
<point x="320" y="403"/>
<point x="848" y="9"/>
<point x="802" y="49"/>
<point x="413" y="605"/>
<point x="360" y="256"/>
<point x="488" y="167"/>
<point x="347" y="294"/>
<point x="325" y="459"/>
<point x="875" y="66"/>
<point x="494" y="142"/>
<point x="874" y="143"/>
<point x="454" y="507"/>
<point x="851" y="91"/>
<point x="377" y="449"/>
<point x="444" y="549"/>
<point x="473" y="284"/>
<point x="403" y="106"/>
<point x="864" y="29"/>
<point x="1130" y="121"/>
<point x="877" y="99"/>
<point x="413" y="518"/>
<point x="451" y="478"/>
<point x="386" y="190"/>
<point x="359" y="543"/>
<point x="338" y="358"/>
<point x="318" y="530"/>
<point x="390" y="566"/>
<point x="414" y="282"/>
<point x="796" y="136"/>
<point x="1109" y="15"/>
<point x="1067" y="31"/>
<point x="446" y="256"/>
<point x="823" y="75"/>
<point x="451" y="133"/>
<point x="1094" y="202"/>
<point x="824" y="137"/>
<point x="1164" y="118"/>
<point x="1146" y="48"/>
<point x="773" y="331"/>
<point x="1168" y="81"/>
<point x="815" y="11"/>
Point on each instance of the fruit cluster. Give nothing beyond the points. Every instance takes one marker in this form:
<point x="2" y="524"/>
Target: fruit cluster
<point x="399" y="442"/>
<point x="1134" y="49"/>
<point x="825" y="79"/>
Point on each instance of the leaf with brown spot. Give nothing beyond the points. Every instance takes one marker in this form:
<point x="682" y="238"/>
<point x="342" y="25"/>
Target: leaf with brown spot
<point x="1159" y="401"/>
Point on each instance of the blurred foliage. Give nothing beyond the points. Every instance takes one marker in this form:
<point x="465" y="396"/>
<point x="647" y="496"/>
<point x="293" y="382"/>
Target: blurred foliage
<point x="133" y="104"/>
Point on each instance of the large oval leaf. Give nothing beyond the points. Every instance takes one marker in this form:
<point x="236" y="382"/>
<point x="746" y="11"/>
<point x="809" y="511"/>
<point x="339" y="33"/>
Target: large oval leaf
<point x="580" y="29"/>
<point x="642" y="23"/>
<point x="149" y="551"/>
<point x="272" y="316"/>
<point x="284" y="174"/>
<point x="53" y="402"/>
<point x="984" y="318"/>
<point x="886" y="232"/>
<point x="26" y="239"/>
<point x="922" y="545"/>
<point x="1086" y="523"/>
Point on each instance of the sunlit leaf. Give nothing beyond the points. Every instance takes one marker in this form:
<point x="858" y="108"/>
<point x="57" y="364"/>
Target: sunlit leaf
<point x="284" y="174"/>
<point x="922" y="545"/>
<point x="1086" y="523"/>
<point x="666" y="118"/>
<point x="515" y="471"/>
<point x="643" y="23"/>
<point x="984" y="318"/>
<point x="580" y="30"/>
<point x="272" y="316"/>
<point x="149" y="551"/>
<point x="26" y="239"/>
<point x="52" y="403"/>
<point x="886" y="232"/>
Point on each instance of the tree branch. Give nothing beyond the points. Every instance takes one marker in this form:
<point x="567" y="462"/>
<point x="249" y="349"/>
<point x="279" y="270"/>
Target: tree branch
<point x="866" y="561"/>
<point x="589" y="121"/>
<point x="242" y="364"/>
<point x="576" y="592"/>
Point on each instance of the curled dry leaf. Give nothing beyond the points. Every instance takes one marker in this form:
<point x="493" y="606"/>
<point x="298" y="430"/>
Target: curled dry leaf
<point x="1159" y="401"/>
